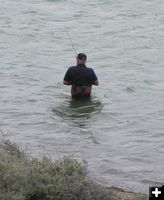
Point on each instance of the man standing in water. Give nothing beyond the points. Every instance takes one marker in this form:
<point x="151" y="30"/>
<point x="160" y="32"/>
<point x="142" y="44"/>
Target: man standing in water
<point x="81" y="78"/>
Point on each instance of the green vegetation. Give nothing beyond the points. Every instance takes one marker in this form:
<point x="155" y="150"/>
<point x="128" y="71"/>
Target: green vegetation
<point x="23" y="178"/>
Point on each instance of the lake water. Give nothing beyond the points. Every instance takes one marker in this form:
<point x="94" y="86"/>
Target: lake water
<point x="120" y="131"/>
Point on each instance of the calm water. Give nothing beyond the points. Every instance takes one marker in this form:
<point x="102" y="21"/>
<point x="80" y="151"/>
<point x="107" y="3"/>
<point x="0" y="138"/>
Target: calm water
<point x="120" y="131"/>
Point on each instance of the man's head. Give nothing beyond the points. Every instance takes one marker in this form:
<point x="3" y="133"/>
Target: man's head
<point x="81" y="58"/>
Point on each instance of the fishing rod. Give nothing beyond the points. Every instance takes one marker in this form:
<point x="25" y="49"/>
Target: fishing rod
<point x="71" y="41"/>
<point x="73" y="47"/>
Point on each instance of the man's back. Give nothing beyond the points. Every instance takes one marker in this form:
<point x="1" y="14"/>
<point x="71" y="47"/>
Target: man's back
<point x="80" y="75"/>
<point x="81" y="78"/>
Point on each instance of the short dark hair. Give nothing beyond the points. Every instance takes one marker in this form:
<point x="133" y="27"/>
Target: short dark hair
<point x="82" y="56"/>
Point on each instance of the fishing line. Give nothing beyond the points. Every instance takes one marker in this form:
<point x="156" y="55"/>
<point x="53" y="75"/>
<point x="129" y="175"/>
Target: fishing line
<point x="70" y="39"/>
<point x="73" y="47"/>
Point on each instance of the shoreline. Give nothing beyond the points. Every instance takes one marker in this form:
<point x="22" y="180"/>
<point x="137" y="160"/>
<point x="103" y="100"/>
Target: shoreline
<point x="123" y="194"/>
<point x="25" y="178"/>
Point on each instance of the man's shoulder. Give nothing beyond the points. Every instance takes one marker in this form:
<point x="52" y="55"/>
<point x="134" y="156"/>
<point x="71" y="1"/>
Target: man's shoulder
<point x="71" y="68"/>
<point x="90" y="69"/>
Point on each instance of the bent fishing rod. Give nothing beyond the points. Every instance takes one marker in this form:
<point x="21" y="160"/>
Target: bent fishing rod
<point x="73" y="47"/>
<point x="71" y="41"/>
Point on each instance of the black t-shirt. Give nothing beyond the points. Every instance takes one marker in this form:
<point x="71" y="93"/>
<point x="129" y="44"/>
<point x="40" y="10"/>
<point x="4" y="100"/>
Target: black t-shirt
<point x="80" y="75"/>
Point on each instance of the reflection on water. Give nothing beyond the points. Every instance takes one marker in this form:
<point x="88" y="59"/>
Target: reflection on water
<point x="83" y="108"/>
<point x="78" y="114"/>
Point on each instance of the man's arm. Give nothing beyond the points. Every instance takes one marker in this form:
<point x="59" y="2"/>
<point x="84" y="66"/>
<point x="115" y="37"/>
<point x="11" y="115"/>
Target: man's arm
<point x="94" y="78"/>
<point x="66" y="80"/>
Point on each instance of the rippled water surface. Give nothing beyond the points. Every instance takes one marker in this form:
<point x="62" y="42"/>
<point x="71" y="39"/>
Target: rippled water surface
<point x="120" y="130"/>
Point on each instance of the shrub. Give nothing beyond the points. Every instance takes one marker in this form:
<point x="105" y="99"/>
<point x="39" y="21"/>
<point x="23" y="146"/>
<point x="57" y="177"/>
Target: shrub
<point x="23" y="178"/>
